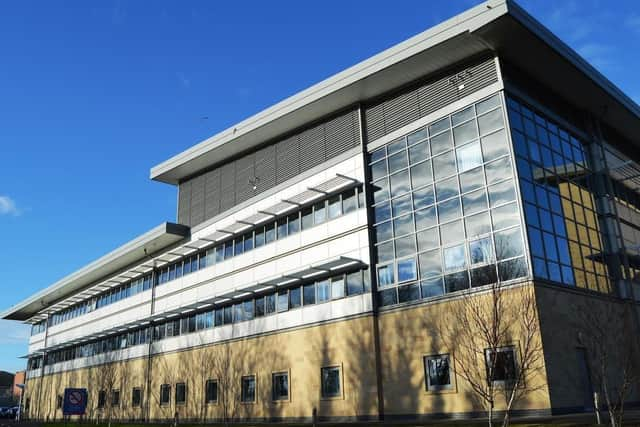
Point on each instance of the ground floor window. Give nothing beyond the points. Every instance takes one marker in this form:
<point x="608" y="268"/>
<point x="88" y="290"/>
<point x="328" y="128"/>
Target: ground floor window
<point x="59" y="402"/>
<point x="330" y="381"/>
<point x="248" y="392"/>
<point x="280" y="386"/>
<point x="211" y="391"/>
<point x="501" y="364"/>
<point x="102" y="398"/>
<point x="136" y="397"/>
<point x="115" y="397"/>
<point x="181" y="394"/>
<point x="165" y="394"/>
<point x="437" y="371"/>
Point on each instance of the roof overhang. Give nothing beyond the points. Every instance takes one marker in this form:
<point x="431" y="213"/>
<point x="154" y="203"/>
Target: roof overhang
<point x="161" y="237"/>
<point x="498" y="26"/>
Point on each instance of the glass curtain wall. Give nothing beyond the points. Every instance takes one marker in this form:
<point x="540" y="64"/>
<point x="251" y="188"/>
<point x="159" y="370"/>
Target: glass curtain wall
<point x="446" y="214"/>
<point x="557" y="186"/>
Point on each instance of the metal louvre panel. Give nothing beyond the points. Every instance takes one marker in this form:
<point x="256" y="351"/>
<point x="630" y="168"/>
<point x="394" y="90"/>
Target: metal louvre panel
<point x="212" y="194"/>
<point x="288" y="159"/>
<point x="401" y="109"/>
<point x="231" y="183"/>
<point x="265" y="168"/>
<point x="227" y="186"/>
<point x="342" y="134"/>
<point x="197" y="200"/>
<point x="184" y="203"/>
<point x="312" y="146"/>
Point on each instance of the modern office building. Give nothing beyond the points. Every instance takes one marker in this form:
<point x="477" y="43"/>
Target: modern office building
<point x="320" y="243"/>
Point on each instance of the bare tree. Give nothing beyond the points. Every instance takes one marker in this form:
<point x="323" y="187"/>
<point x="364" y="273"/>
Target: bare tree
<point x="613" y="356"/>
<point x="225" y="371"/>
<point x="106" y="378"/>
<point x="480" y="326"/>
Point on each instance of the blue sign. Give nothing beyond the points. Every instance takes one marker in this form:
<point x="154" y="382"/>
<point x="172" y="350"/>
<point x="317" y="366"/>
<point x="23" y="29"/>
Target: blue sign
<point x="75" y="401"/>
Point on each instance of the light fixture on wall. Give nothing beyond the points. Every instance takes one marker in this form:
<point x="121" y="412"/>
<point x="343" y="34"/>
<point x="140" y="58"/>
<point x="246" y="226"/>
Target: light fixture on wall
<point x="253" y="182"/>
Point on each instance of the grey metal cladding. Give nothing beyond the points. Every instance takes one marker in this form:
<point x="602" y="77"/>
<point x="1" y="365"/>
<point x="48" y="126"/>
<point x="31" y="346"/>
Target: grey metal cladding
<point x="212" y="193"/>
<point x="400" y="109"/>
<point x="184" y="203"/>
<point x="231" y="183"/>
<point x="197" y="199"/>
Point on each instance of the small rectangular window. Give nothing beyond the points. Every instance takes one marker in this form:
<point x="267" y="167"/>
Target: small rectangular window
<point x="337" y="287"/>
<point x="211" y="391"/>
<point x="294" y="223"/>
<point x="165" y="394"/>
<point x="238" y="245"/>
<point x="324" y="292"/>
<point x="283" y="301"/>
<point x="228" y="249"/>
<point x="248" y="391"/>
<point x="309" y="294"/>
<point x="270" y="303"/>
<point x="136" y="397"/>
<point x="280" y="386"/>
<point x="115" y="398"/>
<point x="330" y="381"/>
<point x="248" y="242"/>
<point x="181" y="394"/>
<point x="349" y="202"/>
<point x="319" y="213"/>
<point x="282" y="228"/>
<point x="259" y="239"/>
<point x="354" y="283"/>
<point x="335" y="207"/>
<point x="270" y="233"/>
<point x="259" y="307"/>
<point x="59" y="401"/>
<point x="437" y="372"/>
<point x="228" y="315"/>
<point x="501" y="364"/>
<point x="307" y="218"/>
<point x="294" y="297"/>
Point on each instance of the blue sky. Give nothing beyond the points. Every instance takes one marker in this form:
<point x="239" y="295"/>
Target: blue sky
<point x="93" y="94"/>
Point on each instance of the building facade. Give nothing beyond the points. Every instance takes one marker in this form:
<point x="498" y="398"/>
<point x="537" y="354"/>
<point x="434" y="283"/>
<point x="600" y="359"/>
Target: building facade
<point x="320" y="245"/>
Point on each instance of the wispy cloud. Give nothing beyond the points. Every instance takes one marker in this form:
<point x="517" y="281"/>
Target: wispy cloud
<point x="13" y="333"/>
<point x="8" y="206"/>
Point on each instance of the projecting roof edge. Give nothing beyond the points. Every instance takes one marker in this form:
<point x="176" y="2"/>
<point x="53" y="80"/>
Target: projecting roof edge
<point x="160" y="237"/>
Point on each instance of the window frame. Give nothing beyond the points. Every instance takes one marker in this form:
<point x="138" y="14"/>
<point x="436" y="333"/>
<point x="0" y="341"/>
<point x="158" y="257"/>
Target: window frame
<point x="340" y="394"/>
<point x="255" y="389"/>
<point x="206" y="391"/>
<point x="161" y="400"/>
<point x="286" y="372"/>
<point x="175" y="395"/>
<point x="513" y="348"/>
<point x="428" y="388"/>
<point x="133" y="401"/>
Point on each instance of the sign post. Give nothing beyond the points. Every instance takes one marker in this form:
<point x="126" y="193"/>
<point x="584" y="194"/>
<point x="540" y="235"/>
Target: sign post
<point x="75" y="401"/>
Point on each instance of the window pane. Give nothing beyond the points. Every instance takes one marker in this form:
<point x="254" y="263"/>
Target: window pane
<point x="437" y="372"/>
<point x="335" y="207"/>
<point x="319" y="213"/>
<point x="465" y="132"/>
<point x="430" y="263"/>
<point x="419" y="152"/>
<point x="270" y="303"/>
<point x="307" y="218"/>
<point x="513" y="269"/>
<point x="428" y="239"/>
<point x="354" y="283"/>
<point x="440" y="143"/>
<point x="283" y="301"/>
<point x="447" y="188"/>
<point x="488" y="104"/>
<point x="398" y="161"/>
<point x="405" y="246"/>
<point x="385" y="276"/>
<point x="508" y="243"/>
<point x="449" y="210"/>
<point x="294" y="224"/>
<point x="472" y="179"/>
<point x="451" y="232"/>
<point x="349" y="201"/>
<point x="248" y="242"/>
<point x="490" y="121"/>
<point x="498" y="170"/>
<point x="295" y="297"/>
<point x="407" y="270"/>
<point x="481" y="251"/>
<point x="259" y="239"/>
<point x="282" y="228"/>
<point x="423" y="197"/>
<point x="248" y="393"/>
<point x="421" y="174"/>
<point x="280" y="386"/>
<point x="399" y="183"/>
<point x="469" y="156"/>
<point x="494" y="145"/>
<point x="502" y="193"/>
<point x="401" y="205"/>
<point x="309" y="294"/>
<point x="425" y="217"/>
<point x="324" y="293"/>
<point x="484" y="275"/>
<point x="330" y="378"/>
<point x="456" y="281"/>
<point x="444" y="165"/>
<point x="259" y="307"/>
<point x="454" y="258"/>
<point x="477" y="224"/>
<point x="409" y="293"/>
<point x="432" y="287"/>
<point x="337" y="287"/>
<point x="403" y="225"/>
<point x="505" y="216"/>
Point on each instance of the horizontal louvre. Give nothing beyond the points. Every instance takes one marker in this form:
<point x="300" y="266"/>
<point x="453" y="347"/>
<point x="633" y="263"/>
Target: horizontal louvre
<point x="401" y="109"/>
<point x="229" y="184"/>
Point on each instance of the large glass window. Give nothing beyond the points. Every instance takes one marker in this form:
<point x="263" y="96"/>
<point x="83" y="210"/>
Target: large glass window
<point x="445" y="207"/>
